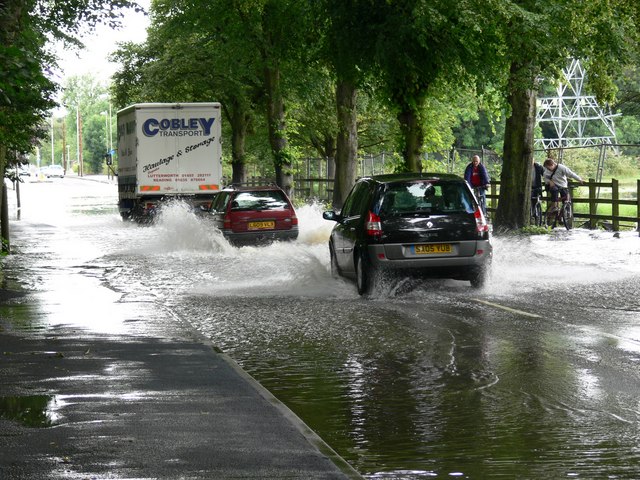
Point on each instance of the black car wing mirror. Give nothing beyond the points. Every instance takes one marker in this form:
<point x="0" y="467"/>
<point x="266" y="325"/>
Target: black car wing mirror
<point x="331" y="215"/>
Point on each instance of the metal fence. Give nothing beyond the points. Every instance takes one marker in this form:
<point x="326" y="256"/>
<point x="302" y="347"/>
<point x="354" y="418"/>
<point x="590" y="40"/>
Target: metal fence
<point x="314" y="179"/>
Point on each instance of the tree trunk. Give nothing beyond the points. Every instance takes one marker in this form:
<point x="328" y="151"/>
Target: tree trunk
<point x="4" y="219"/>
<point x="330" y="155"/>
<point x="240" y="120"/>
<point x="515" y="182"/>
<point x="10" y="25"/>
<point x="282" y="161"/>
<point x="413" y="139"/>
<point x="346" y="142"/>
<point x="326" y="147"/>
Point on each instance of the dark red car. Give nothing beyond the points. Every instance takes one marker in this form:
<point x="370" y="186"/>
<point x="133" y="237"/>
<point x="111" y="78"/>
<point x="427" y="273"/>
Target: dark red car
<point x="254" y="215"/>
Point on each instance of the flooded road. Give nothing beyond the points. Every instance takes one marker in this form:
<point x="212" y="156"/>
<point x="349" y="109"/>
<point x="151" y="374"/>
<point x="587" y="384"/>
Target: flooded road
<point x="536" y="376"/>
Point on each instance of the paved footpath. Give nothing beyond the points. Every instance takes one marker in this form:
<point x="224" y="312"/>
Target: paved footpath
<point x="82" y="405"/>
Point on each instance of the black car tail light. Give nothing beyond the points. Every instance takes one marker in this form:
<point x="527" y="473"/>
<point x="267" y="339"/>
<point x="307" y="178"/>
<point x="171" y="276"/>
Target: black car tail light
<point x="373" y="225"/>
<point x="481" y="222"/>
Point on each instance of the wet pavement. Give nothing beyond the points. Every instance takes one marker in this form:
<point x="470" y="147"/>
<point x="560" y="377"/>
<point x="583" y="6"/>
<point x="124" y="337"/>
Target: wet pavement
<point x="133" y="398"/>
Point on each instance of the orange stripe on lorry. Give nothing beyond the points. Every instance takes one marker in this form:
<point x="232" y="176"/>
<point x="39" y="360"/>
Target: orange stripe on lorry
<point x="149" y="188"/>
<point x="209" y="187"/>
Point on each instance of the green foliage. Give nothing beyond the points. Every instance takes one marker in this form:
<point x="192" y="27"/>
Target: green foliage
<point x="25" y="92"/>
<point x="6" y="247"/>
<point x="426" y="51"/>
<point x="584" y="161"/>
<point x="128" y="83"/>
<point x="94" y="143"/>
<point x="396" y="163"/>
<point x="628" y="129"/>
<point x="91" y="98"/>
<point x="628" y="98"/>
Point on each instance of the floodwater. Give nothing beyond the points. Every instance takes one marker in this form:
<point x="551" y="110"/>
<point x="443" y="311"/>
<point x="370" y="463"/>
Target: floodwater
<point x="536" y="376"/>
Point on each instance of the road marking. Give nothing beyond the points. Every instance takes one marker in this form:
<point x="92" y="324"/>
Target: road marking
<point x="508" y="309"/>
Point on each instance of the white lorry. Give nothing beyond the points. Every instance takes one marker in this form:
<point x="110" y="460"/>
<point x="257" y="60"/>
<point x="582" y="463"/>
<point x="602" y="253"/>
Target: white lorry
<point x="167" y="151"/>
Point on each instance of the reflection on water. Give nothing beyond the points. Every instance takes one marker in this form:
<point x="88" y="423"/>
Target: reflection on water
<point x="31" y="411"/>
<point x="424" y="384"/>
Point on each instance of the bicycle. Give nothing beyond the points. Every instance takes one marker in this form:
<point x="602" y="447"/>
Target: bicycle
<point x="564" y="214"/>
<point x="536" y="209"/>
<point x="482" y="200"/>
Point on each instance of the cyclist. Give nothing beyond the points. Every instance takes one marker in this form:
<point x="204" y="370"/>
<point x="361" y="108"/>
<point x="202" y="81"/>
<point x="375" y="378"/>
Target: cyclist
<point x="477" y="176"/>
<point x="556" y="176"/>
<point x="537" y="172"/>
<point x="536" y="180"/>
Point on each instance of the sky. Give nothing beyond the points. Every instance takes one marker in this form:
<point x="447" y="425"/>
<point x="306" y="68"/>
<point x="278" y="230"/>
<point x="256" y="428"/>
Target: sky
<point x="93" y="59"/>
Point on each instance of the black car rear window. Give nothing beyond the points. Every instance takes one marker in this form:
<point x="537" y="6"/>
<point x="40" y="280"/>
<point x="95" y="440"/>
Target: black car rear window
<point x="220" y="201"/>
<point x="259" y="200"/>
<point x="426" y="196"/>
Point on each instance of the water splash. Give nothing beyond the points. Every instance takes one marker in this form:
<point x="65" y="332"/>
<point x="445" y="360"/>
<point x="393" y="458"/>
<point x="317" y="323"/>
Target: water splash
<point x="181" y="241"/>
<point x="578" y="257"/>
<point x="178" y="229"/>
<point x="313" y="228"/>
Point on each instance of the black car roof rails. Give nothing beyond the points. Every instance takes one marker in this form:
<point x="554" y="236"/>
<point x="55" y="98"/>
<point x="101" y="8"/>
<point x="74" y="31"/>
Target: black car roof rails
<point x="251" y="184"/>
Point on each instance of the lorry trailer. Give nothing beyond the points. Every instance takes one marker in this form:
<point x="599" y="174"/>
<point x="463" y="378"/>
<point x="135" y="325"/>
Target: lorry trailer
<point x="167" y="151"/>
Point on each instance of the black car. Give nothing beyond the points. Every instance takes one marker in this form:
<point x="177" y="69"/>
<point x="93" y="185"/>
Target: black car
<point x="253" y="215"/>
<point x="427" y="224"/>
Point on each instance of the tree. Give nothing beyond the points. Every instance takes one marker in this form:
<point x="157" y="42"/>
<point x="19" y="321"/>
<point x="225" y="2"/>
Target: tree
<point x="539" y="38"/>
<point x="243" y="73"/>
<point x="26" y="93"/>
<point x="345" y="48"/>
<point x="128" y="83"/>
<point x="228" y="76"/>
<point x="94" y="138"/>
<point x="83" y="97"/>
<point x="421" y="47"/>
<point x="277" y="34"/>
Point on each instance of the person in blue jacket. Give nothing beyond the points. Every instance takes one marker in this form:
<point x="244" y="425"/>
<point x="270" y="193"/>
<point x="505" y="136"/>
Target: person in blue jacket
<point x="477" y="176"/>
<point x="536" y="179"/>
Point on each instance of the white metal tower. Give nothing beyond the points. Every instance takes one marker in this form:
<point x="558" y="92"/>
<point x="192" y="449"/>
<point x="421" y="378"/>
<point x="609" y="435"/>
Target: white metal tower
<point x="571" y="111"/>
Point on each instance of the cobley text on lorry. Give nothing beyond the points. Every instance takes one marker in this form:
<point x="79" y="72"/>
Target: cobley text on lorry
<point x="177" y="126"/>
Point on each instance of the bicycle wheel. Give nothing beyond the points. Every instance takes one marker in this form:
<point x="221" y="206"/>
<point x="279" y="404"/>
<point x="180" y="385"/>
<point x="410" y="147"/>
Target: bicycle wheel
<point x="536" y="214"/>
<point x="532" y="214"/>
<point x="550" y="217"/>
<point x="482" y="201"/>
<point x="567" y="215"/>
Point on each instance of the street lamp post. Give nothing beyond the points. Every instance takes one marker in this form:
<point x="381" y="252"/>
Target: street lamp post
<point x="106" y="129"/>
<point x="79" y="141"/>
<point x="53" y="146"/>
<point x="108" y="136"/>
<point x="110" y="130"/>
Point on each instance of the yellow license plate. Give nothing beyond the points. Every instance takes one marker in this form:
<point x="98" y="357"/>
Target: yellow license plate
<point x="434" y="248"/>
<point x="261" y="225"/>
